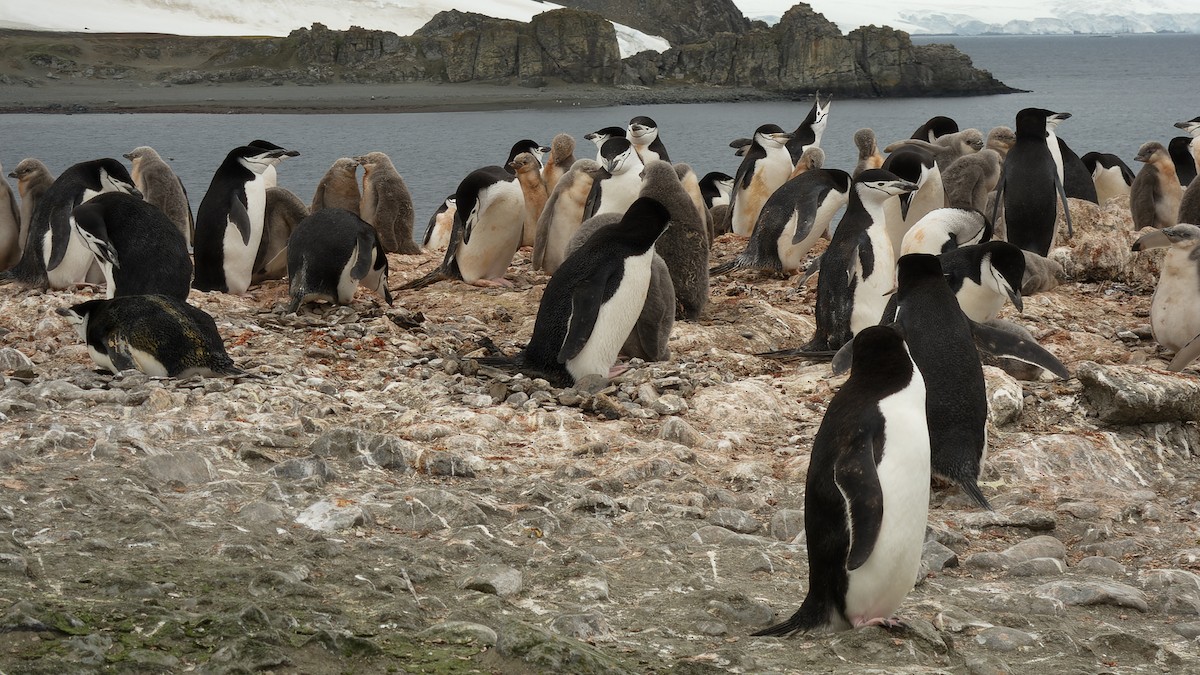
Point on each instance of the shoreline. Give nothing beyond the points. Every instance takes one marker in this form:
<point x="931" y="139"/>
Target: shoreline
<point x="287" y="98"/>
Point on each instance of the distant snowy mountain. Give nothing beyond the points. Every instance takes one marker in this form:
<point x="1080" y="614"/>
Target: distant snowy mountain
<point x="272" y="17"/>
<point x="1016" y="17"/>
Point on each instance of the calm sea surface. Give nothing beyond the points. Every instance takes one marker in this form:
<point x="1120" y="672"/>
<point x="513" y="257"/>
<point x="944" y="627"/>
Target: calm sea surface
<point x="1122" y="92"/>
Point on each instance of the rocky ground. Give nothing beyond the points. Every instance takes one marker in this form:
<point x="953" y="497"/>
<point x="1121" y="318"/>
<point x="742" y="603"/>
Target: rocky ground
<point x="371" y="500"/>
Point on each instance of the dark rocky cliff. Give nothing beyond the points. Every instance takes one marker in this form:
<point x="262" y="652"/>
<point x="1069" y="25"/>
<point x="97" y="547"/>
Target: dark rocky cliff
<point x="679" y="21"/>
<point x="802" y="53"/>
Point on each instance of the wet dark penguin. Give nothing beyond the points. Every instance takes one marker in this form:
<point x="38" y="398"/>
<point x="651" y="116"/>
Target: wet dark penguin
<point x="1031" y="184"/>
<point x="139" y="249"/>
<point x="229" y="222"/>
<point x="156" y="334"/>
<point x="330" y="254"/>
<point x="55" y="254"/>
<point x="593" y="300"/>
<point x="791" y="221"/>
<point x="866" y="495"/>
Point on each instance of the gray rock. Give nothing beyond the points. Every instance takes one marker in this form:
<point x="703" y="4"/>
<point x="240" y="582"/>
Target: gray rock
<point x="987" y="560"/>
<point x="14" y="564"/>
<point x="54" y="390"/>
<point x="935" y="557"/>
<point x="1174" y="591"/>
<point x="441" y="463"/>
<point x="1037" y="547"/>
<point x="588" y="626"/>
<point x="460" y="633"/>
<point x="1128" y="394"/>
<point x="13" y="360"/>
<point x="713" y="534"/>
<point x="1081" y="510"/>
<point x="1122" y="646"/>
<point x="432" y="509"/>
<point x="1100" y="565"/>
<point x="734" y="519"/>
<point x="987" y="665"/>
<point x="669" y="404"/>
<point x="333" y="514"/>
<point x="550" y="653"/>
<point x="1005" y="403"/>
<point x="1189" y="631"/>
<point x="1094" y="593"/>
<point x="1114" y="548"/>
<point x="1033" y="519"/>
<point x="787" y="524"/>
<point x="957" y="620"/>
<point x="500" y="580"/>
<point x="183" y="467"/>
<point x="1004" y="639"/>
<point x="677" y="430"/>
<point x="301" y="468"/>
<point x="1038" y="567"/>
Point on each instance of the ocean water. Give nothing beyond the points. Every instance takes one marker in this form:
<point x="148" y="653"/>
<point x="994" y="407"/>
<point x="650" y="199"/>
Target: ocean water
<point x="1122" y="91"/>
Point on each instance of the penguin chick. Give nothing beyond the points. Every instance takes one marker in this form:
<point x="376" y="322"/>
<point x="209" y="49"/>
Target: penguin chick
<point x="1155" y="193"/>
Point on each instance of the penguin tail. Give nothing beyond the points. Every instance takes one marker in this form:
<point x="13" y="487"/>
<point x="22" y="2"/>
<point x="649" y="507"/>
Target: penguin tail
<point x="971" y="487"/>
<point x="294" y="304"/>
<point x="805" y="353"/>
<point x="724" y="268"/>
<point x="496" y="357"/>
<point x="433" y="277"/>
<point x="807" y="618"/>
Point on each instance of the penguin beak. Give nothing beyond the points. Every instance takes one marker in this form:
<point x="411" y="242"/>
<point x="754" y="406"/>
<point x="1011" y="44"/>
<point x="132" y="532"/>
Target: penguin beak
<point x="1143" y="156"/>
<point x="1015" y="296"/>
<point x="1155" y="239"/>
<point x="782" y="137"/>
<point x="543" y="149"/>
<point x="13" y="174"/>
<point x="283" y="153"/>
<point x="589" y="137"/>
<point x="1058" y="117"/>
<point x="136" y="192"/>
<point x="128" y="156"/>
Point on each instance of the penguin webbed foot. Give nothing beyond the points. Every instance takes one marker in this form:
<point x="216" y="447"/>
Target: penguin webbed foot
<point x="499" y="282"/>
<point x="887" y="623"/>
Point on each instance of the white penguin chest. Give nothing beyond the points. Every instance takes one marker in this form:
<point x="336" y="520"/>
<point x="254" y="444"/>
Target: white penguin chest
<point x="877" y="588"/>
<point x="615" y="319"/>
<point x="791" y="256"/>
<point x="1174" y="318"/>
<point x="495" y="232"/>
<point x="239" y="254"/>
<point x="619" y="192"/>
<point x="870" y="297"/>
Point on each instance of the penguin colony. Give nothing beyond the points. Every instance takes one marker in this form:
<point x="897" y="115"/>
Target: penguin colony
<point x="910" y="283"/>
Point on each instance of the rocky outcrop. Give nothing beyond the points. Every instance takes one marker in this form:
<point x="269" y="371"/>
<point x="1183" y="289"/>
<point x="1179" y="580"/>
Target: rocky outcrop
<point x="802" y="53"/>
<point x="805" y="52"/>
<point x="679" y="21"/>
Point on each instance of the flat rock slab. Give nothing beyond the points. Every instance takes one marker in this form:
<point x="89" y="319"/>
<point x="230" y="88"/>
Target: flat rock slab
<point x="1094" y="593"/>
<point x="1138" y="395"/>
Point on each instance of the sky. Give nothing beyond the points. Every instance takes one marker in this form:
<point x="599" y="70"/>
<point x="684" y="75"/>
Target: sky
<point x="278" y="17"/>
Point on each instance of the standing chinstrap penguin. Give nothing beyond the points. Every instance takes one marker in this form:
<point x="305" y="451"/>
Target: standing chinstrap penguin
<point x="229" y="222"/>
<point x="1031" y="183"/>
<point x="593" y="300"/>
<point x="765" y="167"/>
<point x="866" y="495"/>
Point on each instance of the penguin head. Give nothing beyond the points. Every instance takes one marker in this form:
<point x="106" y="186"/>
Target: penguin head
<point x="562" y="147"/>
<point x="524" y="163"/>
<point x="1192" y="126"/>
<point x="1033" y="122"/>
<point x="111" y="176"/>
<point x="936" y="127"/>
<point x="142" y="153"/>
<point x="1001" y="139"/>
<point x="642" y="130"/>
<point x="658" y="171"/>
<point x="971" y="138"/>
<point x="876" y="185"/>
<point x="881" y="351"/>
<point x="619" y="156"/>
<point x="1151" y="152"/>
<point x="771" y="136"/>
<point x="644" y="222"/>
<point x="28" y="169"/>
<point x="601" y="136"/>
<point x="373" y="160"/>
<point x="818" y="116"/>
<point x="257" y="159"/>
<point x="1003" y="264"/>
<point x="1185" y="235"/>
<point x="78" y="315"/>
<point x="1054" y="119"/>
<point x="267" y="145"/>
<point x="533" y="148"/>
<point x="345" y="165"/>
<point x="812" y="158"/>
<point x="864" y="140"/>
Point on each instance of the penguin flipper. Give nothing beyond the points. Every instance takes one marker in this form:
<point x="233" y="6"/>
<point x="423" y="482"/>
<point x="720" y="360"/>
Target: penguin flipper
<point x="725" y="267"/>
<point x="362" y="262"/>
<point x="999" y="197"/>
<point x="1186" y="355"/>
<point x="1062" y="194"/>
<point x="593" y="199"/>
<point x="1000" y="343"/>
<point x="585" y="307"/>
<point x="857" y="478"/>
<point x="449" y="267"/>
<point x="842" y="360"/>
<point x="813" y="268"/>
<point x="239" y="217"/>
<point x="806" y="215"/>
<point x="60" y="236"/>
